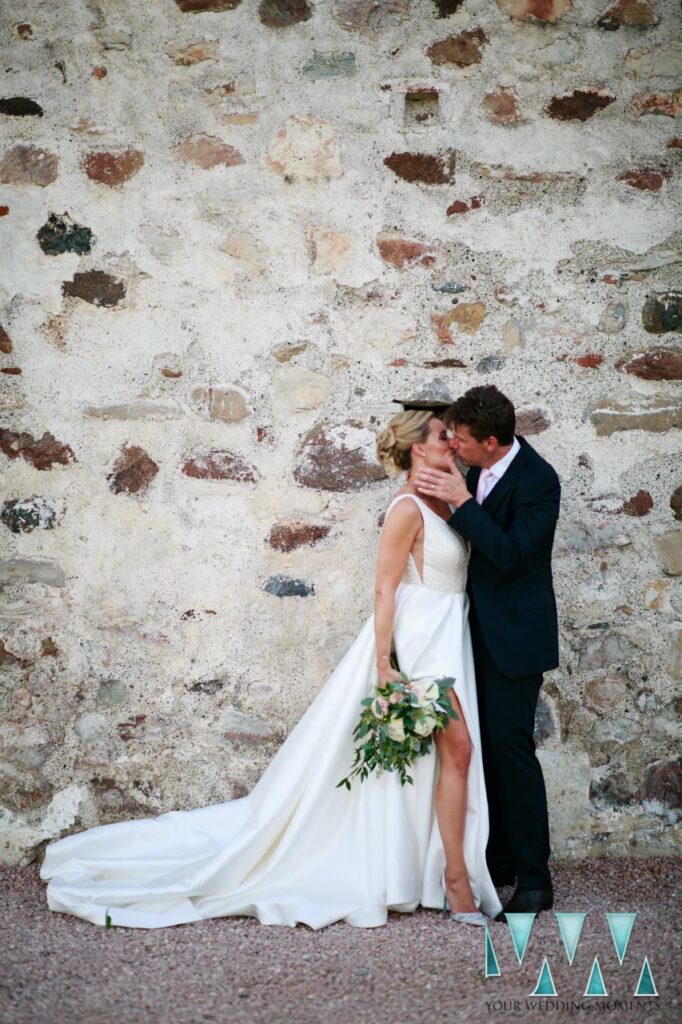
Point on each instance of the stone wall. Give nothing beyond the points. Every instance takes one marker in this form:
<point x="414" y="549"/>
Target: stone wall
<point x="232" y="232"/>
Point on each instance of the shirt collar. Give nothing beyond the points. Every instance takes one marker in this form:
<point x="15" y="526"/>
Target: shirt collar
<point x="499" y="468"/>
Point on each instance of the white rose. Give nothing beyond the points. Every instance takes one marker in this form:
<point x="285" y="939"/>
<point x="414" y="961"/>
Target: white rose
<point x="431" y="692"/>
<point x="424" y="725"/>
<point x="396" y="729"/>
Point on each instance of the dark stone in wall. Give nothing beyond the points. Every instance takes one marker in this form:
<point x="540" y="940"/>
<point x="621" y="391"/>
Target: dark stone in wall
<point x="20" y="106"/>
<point x="444" y="8"/>
<point x="23" y="516"/>
<point x="426" y="168"/>
<point x="579" y="106"/>
<point x="282" y="13"/>
<point x="656" y="364"/>
<point x="60" y="234"/>
<point x="220" y="465"/>
<point x="96" y="287"/>
<point x="329" y="459"/>
<point x="133" y="471"/>
<point x="197" y="6"/>
<point x="490" y="364"/>
<point x="663" y="313"/>
<point x="285" y="586"/>
<point x="638" y="505"/>
<point x="646" y="179"/>
<point x="210" y="686"/>
<point x="676" y="502"/>
<point x="28" y="165"/>
<point x="461" y="51"/>
<point x="531" y="421"/>
<point x="42" y="454"/>
<point x="113" y="168"/>
<point x="663" y="782"/>
<point x="5" y="341"/>
<point x="296" y="534"/>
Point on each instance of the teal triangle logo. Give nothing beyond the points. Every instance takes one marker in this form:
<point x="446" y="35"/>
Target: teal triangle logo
<point x="520" y="926"/>
<point x="570" y="926"/>
<point x="545" y="984"/>
<point x="596" y="986"/>
<point x="645" y="985"/>
<point x="620" y="926"/>
<point x="492" y="968"/>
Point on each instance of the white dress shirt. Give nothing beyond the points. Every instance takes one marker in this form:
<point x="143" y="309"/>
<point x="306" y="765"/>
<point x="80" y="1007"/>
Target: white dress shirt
<point x="489" y="477"/>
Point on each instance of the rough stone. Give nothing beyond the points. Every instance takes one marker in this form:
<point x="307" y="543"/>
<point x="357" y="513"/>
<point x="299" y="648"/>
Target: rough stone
<point x="606" y="693"/>
<point x="188" y="54"/>
<point x="96" y="287"/>
<point x="113" y="169"/>
<point x="444" y="8"/>
<point x="425" y="168"/>
<point x="28" y="165"/>
<point x="656" y="595"/>
<point x="296" y="533"/>
<point x="305" y="147"/>
<point x="111" y="692"/>
<point x="614" y="316"/>
<point x="338" y="457"/>
<point x="638" y="13"/>
<point x="371" y="15"/>
<point x="32" y="570"/>
<point x="402" y="252"/>
<point x="220" y="465"/>
<point x="460" y="51"/>
<point x="663" y="782"/>
<point x="676" y="502"/>
<point x="226" y="404"/>
<point x="283" y="13"/>
<point x="536" y="10"/>
<point x="646" y="179"/>
<point x="59" y="234"/>
<point x="337" y="64"/>
<point x="665" y="104"/>
<point x="286" y="586"/>
<point x="133" y="471"/>
<point x="654" y="414"/>
<point x="43" y="453"/>
<point x="664" y="61"/>
<point x="207" y="151"/>
<point x="639" y="505"/>
<point x="91" y="726"/>
<point x="329" y="250"/>
<point x="285" y="353"/>
<point x="502" y="107"/>
<point x="201" y="6"/>
<point x="490" y="364"/>
<point x="138" y="409"/>
<point x="28" y="515"/>
<point x="467" y="317"/>
<point x="5" y="341"/>
<point x="669" y="548"/>
<point x="531" y="421"/>
<point x="662" y="313"/>
<point x="422" y="106"/>
<point x="464" y="206"/>
<point x="654" y="364"/>
<point x="296" y="389"/>
<point x="673" y="663"/>
<point x="20" y="106"/>
<point x="545" y="728"/>
<point x="601" y="650"/>
<point x="580" y="105"/>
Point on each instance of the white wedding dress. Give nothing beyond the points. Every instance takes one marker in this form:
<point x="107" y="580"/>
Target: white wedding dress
<point x="297" y="849"/>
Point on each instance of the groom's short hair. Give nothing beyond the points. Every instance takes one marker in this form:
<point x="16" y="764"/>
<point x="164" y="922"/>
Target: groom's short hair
<point x="486" y="412"/>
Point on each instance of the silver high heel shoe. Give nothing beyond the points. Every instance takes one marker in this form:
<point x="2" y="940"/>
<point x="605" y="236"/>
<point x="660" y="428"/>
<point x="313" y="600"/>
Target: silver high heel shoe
<point x="462" y="916"/>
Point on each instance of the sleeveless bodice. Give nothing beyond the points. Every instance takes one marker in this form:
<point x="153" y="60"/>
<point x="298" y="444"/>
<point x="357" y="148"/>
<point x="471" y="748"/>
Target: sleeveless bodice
<point x="446" y="554"/>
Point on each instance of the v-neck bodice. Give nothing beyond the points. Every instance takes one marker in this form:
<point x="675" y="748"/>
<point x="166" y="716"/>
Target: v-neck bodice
<point x="446" y="554"/>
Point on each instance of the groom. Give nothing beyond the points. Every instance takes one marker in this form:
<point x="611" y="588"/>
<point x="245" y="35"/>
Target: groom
<point x="507" y="508"/>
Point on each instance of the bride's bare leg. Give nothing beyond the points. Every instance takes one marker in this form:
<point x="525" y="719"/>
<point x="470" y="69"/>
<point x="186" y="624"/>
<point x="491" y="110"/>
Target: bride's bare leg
<point x="454" y="755"/>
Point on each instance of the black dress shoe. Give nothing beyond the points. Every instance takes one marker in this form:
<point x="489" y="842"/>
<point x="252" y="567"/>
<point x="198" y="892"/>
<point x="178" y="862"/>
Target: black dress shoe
<point x="527" y="901"/>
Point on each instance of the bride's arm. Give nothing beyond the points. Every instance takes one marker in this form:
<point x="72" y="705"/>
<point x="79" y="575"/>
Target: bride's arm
<point x="398" y="536"/>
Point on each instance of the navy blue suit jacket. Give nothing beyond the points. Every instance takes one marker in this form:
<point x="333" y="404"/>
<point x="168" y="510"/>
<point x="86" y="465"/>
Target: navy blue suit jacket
<point x="510" y="569"/>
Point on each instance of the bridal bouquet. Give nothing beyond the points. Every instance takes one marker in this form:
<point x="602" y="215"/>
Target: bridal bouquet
<point x="398" y="725"/>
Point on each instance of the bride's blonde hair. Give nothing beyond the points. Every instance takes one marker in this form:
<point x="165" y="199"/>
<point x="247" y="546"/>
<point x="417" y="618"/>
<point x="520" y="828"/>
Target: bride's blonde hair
<point x="394" y="444"/>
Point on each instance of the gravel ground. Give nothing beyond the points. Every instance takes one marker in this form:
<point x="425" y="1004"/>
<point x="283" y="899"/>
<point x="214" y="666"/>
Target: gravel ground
<point x="56" y="969"/>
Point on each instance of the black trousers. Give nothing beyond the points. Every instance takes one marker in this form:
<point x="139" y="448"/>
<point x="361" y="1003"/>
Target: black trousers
<point x="518" y="843"/>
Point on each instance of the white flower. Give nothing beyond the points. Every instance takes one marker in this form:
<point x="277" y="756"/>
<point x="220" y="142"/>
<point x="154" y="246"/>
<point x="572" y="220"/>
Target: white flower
<point x="425" y="725"/>
<point x="396" y="728"/>
<point x="425" y="690"/>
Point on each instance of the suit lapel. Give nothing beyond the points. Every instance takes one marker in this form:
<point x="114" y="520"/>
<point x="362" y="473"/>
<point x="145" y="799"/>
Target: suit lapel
<point x="518" y="464"/>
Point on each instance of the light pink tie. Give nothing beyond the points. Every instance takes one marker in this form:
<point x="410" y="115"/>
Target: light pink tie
<point x="482" y="487"/>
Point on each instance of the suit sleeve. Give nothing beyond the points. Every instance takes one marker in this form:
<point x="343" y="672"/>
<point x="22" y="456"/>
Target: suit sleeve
<point x="536" y="513"/>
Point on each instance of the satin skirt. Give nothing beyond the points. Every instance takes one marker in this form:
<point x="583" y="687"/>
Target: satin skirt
<point x="297" y="849"/>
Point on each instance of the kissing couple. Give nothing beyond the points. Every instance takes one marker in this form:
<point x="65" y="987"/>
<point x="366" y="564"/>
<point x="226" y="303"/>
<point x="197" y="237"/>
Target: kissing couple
<point x="463" y="590"/>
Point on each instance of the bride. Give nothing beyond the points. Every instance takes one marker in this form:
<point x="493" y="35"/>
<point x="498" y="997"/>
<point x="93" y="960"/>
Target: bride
<point x="298" y="849"/>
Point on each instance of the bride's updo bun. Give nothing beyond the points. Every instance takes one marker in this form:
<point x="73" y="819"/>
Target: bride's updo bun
<point x="394" y="444"/>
